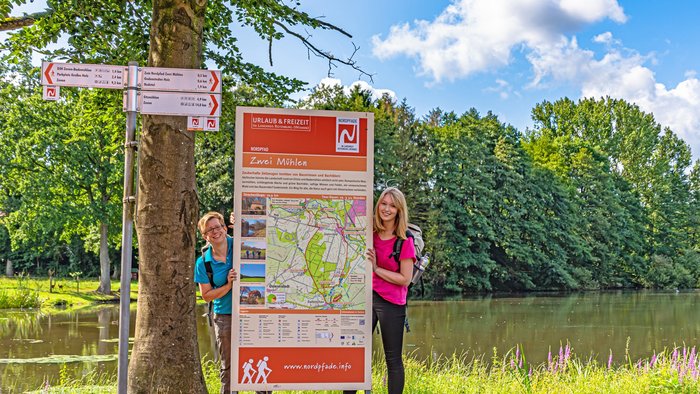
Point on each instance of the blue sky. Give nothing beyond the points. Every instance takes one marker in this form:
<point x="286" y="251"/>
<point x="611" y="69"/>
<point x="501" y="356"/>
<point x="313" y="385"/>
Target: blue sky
<point x="506" y="56"/>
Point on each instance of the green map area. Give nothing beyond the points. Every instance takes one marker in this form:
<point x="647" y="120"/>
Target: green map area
<point x="316" y="253"/>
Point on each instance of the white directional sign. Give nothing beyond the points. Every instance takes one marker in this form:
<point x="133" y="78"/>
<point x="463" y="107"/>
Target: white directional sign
<point x="182" y="104"/>
<point x="180" y="80"/>
<point x="83" y="75"/>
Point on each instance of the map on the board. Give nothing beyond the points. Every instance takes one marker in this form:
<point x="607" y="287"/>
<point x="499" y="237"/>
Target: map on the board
<point x="316" y="253"/>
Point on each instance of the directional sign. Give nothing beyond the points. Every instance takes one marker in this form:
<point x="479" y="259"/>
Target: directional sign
<point x="83" y="75"/>
<point x="184" y="104"/>
<point x="180" y="80"/>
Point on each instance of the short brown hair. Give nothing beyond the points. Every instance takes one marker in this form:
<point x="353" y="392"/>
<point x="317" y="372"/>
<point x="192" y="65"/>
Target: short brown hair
<point x="202" y="224"/>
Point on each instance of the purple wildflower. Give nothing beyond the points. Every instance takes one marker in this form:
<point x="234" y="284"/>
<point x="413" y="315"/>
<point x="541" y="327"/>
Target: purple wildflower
<point x="653" y="360"/>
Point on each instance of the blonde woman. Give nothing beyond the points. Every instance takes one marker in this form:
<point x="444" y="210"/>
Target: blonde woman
<point x="390" y="280"/>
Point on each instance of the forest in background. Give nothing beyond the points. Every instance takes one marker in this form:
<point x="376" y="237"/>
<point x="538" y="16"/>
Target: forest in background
<point x="597" y="195"/>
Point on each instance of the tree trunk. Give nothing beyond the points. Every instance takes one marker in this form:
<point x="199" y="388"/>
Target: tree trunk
<point x="9" y="271"/>
<point x="165" y="356"/>
<point x="105" y="285"/>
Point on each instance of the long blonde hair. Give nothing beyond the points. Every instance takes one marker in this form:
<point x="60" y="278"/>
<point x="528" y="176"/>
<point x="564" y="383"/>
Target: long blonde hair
<point x="401" y="220"/>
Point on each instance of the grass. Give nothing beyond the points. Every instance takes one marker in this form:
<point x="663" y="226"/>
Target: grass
<point x="26" y="292"/>
<point x="671" y="371"/>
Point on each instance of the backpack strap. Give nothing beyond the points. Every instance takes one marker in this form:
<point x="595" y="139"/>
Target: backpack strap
<point x="398" y="245"/>
<point x="207" y="267"/>
<point x="210" y="275"/>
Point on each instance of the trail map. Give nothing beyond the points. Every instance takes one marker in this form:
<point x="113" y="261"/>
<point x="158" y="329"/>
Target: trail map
<point x="315" y="253"/>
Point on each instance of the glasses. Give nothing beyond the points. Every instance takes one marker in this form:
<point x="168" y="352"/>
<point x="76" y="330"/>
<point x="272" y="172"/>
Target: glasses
<point x="212" y="229"/>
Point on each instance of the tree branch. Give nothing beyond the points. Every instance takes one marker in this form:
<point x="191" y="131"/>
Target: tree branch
<point x="332" y="59"/>
<point x="18" y="22"/>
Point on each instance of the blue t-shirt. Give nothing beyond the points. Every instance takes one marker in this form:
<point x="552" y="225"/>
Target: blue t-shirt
<point x="223" y="304"/>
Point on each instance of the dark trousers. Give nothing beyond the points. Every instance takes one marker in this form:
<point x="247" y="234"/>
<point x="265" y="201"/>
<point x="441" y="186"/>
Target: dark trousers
<point x="390" y="318"/>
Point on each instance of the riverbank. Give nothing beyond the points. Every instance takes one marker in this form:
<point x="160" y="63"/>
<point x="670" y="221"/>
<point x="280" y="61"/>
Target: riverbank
<point x="671" y="371"/>
<point x="65" y="294"/>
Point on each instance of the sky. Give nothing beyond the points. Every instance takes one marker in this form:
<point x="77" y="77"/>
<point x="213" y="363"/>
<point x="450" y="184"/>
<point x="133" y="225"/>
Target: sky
<point x="506" y="56"/>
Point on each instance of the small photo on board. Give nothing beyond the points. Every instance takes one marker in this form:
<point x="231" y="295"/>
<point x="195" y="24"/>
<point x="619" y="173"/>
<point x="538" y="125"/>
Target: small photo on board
<point x="253" y="228"/>
<point x="252" y="272"/>
<point x="253" y="250"/>
<point x="252" y="295"/>
<point x="254" y="206"/>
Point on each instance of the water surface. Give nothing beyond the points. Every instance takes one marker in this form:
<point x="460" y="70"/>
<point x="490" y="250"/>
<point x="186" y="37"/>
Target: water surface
<point x="33" y="346"/>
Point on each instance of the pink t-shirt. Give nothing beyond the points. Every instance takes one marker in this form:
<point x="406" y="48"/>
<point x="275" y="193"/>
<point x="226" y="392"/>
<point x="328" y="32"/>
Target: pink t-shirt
<point x="393" y="293"/>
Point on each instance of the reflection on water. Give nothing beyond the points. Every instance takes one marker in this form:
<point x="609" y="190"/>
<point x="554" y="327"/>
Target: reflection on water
<point x="593" y="323"/>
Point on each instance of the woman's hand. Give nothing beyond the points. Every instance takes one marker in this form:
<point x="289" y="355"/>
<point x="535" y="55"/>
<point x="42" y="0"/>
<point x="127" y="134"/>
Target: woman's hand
<point x="232" y="220"/>
<point x="372" y="257"/>
<point x="232" y="275"/>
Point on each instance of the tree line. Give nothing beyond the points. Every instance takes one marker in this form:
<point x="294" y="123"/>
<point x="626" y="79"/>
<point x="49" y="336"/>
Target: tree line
<point x="597" y="195"/>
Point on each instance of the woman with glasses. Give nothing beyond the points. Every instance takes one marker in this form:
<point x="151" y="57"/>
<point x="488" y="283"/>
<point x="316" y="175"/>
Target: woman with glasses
<point x="219" y="254"/>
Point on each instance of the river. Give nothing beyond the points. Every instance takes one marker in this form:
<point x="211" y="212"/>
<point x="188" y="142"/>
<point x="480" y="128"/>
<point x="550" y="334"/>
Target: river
<point x="35" y="346"/>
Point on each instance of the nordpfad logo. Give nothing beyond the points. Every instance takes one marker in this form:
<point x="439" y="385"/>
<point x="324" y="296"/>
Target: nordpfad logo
<point x="347" y="135"/>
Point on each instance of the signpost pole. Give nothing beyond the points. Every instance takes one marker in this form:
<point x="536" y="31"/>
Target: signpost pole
<point x="127" y="229"/>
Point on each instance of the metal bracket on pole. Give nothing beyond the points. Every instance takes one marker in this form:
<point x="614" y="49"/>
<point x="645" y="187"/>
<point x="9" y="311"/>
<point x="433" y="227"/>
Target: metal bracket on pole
<point x="127" y="228"/>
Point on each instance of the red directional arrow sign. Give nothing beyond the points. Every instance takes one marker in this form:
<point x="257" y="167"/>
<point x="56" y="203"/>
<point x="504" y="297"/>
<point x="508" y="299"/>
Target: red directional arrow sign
<point x="215" y="105"/>
<point x="179" y="103"/>
<point x="46" y="75"/>
<point x="215" y="81"/>
<point x="180" y="80"/>
<point x="83" y="75"/>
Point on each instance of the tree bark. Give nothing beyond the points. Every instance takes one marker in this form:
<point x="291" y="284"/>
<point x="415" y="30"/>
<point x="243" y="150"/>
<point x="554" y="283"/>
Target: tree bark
<point x="9" y="271"/>
<point x="165" y="356"/>
<point x="105" y="284"/>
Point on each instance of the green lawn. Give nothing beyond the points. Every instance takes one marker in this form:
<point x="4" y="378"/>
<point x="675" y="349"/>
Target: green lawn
<point x="31" y="292"/>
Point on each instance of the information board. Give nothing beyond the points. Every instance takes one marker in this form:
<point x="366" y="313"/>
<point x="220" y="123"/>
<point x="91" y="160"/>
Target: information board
<point x="303" y="203"/>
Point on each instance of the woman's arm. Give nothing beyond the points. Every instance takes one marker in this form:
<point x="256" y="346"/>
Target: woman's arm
<point x="209" y="294"/>
<point x="401" y="278"/>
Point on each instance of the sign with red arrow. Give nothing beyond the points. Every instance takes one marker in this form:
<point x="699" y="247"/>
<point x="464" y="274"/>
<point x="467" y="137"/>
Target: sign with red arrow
<point x="82" y="75"/>
<point x="180" y="80"/>
<point x="179" y="103"/>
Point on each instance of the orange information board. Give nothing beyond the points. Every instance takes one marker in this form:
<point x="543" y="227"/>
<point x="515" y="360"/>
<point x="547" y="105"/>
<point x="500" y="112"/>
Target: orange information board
<point x="303" y="203"/>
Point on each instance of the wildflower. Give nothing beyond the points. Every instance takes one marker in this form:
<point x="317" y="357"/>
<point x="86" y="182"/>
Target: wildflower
<point x="610" y="360"/>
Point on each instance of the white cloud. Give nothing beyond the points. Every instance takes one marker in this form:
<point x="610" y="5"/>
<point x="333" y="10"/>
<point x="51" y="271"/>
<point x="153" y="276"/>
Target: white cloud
<point x="476" y="35"/>
<point x="472" y="36"/>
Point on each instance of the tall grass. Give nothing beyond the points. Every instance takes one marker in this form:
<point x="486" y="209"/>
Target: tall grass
<point x="22" y="296"/>
<point x="670" y="371"/>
